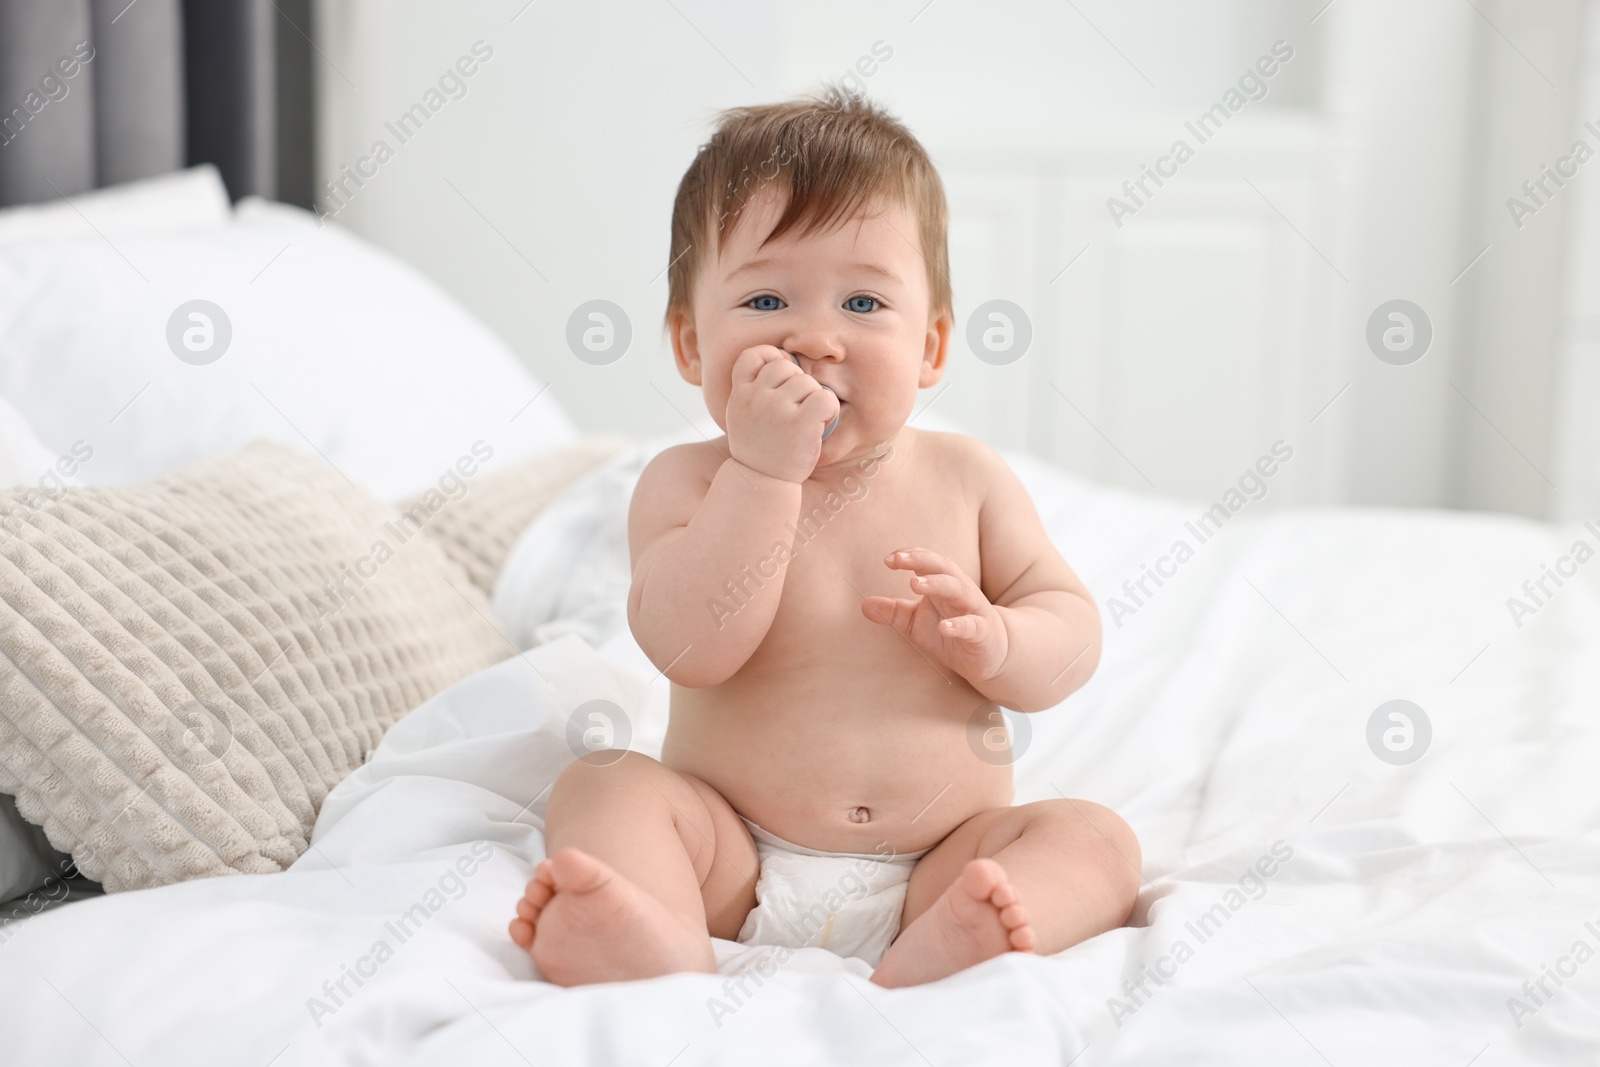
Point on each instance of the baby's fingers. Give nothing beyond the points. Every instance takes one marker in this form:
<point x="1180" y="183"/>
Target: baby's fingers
<point x="890" y="611"/>
<point x="921" y="560"/>
<point x="972" y="629"/>
<point x="951" y="594"/>
<point x="752" y="361"/>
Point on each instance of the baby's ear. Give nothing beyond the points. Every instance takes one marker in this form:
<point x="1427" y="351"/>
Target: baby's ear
<point x="685" y="347"/>
<point x="936" y="351"/>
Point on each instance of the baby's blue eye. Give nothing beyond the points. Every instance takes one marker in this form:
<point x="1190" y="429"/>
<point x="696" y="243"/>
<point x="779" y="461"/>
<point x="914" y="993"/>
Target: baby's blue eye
<point x="851" y="303"/>
<point x="765" y="296"/>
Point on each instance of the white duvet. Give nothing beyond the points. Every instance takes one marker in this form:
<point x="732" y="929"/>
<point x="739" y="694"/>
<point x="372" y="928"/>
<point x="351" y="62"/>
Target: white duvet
<point x="1305" y="901"/>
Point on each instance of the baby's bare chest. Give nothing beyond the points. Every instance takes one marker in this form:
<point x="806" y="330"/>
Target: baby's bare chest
<point x="834" y="558"/>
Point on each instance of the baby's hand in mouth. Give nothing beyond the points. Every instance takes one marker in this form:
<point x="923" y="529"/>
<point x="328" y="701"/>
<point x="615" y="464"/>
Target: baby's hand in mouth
<point x="950" y="620"/>
<point x="828" y="429"/>
<point x="777" y="414"/>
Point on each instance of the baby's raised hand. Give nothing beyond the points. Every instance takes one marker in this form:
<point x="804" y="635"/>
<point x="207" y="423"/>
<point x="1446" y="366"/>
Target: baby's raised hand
<point x="951" y="620"/>
<point x="776" y="414"/>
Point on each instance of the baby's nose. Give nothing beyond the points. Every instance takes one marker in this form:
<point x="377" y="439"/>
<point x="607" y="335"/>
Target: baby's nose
<point x="814" y="345"/>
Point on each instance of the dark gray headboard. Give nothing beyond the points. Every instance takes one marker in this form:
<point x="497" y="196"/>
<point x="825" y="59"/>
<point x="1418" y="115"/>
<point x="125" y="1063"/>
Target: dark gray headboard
<point x="96" y="92"/>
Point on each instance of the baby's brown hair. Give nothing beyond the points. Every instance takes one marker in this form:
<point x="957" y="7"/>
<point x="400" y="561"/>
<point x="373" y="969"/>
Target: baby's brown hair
<point x="832" y="153"/>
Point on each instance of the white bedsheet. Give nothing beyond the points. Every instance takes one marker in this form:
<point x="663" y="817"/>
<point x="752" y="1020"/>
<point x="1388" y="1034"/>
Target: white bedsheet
<point x="1228" y="718"/>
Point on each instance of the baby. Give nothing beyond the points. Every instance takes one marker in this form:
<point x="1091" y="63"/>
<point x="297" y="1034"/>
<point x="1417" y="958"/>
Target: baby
<point x="841" y="602"/>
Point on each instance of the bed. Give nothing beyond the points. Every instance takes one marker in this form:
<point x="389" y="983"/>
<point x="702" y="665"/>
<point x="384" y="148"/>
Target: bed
<point x="1358" y="746"/>
<point x="1305" y="899"/>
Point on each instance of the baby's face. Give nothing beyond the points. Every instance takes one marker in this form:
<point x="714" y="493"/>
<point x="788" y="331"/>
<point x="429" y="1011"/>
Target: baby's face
<point x="852" y="303"/>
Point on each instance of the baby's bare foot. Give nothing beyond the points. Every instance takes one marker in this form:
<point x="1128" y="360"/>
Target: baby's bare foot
<point x="977" y="918"/>
<point x="583" y="922"/>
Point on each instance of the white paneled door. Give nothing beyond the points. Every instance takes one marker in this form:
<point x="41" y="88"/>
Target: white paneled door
<point x="1167" y="352"/>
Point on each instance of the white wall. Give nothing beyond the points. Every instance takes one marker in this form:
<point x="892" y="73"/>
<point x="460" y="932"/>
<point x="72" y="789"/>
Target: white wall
<point x="1513" y="306"/>
<point x="1178" y="347"/>
<point x="1576" y="467"/>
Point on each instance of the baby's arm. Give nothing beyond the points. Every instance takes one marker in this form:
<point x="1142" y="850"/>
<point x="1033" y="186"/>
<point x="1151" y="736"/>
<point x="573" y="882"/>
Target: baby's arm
<point x="688" y="537"/>
<point x="699" y="521"/>
<point x="1052" y="624"/>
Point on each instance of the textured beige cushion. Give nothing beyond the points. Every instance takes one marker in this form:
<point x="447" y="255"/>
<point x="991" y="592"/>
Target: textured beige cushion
<point x="478" y="528"/>
<point x="188" y="666"/>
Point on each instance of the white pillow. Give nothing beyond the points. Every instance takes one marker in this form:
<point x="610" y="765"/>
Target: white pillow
<point x="334" y="344"/>
<point x="185" y="199"/>
<point x="24" y="459"/>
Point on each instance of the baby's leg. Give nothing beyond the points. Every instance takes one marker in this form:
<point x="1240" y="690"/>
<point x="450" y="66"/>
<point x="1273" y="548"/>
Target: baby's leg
<point x="644" y="864"/>
<point x="1040" y="877"/>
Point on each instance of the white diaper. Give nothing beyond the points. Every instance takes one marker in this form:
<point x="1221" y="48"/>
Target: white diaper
<point x="846" y="902"/>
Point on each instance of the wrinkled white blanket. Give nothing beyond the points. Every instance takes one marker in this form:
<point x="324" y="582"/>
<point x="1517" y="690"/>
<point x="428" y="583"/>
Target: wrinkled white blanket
<point x="1305" y="902"/>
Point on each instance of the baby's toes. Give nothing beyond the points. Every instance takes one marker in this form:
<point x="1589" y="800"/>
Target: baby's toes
<point x="538" y="892"/>
<point x="534" y="897"/>
<point x="982" y="878"/>
<point x="1004" y="895"/>
<point x="1021" y="937"/>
